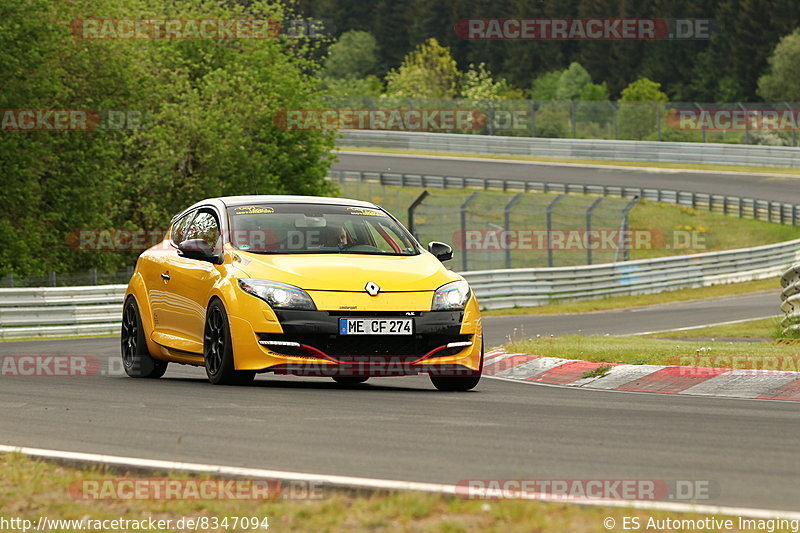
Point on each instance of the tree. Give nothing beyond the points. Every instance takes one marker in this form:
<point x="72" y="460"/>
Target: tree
<point x="593" y="104"/>
<point x="545" y="86"/>
<point x="427" y="72"/>
<point x="593" y="92"/>
<point x="572" y="81"/>
<point x="353" y="56"/>
<point x="477" y="84"/>
<point x="639" y="108"/>
<point x="782" y="81"/>
<point x="210" y="129"/>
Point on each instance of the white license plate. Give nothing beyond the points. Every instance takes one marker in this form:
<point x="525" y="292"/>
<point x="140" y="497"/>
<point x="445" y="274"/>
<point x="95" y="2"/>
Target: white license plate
<point x="376" y="326"/>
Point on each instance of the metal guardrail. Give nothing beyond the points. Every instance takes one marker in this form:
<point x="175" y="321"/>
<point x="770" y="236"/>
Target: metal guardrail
<point x="767" y="210"/>
<point x="500" y="289"/>
<point x="790" y="299"/>
<point x="650" y="151"/>
<point x="60" y="311"/>
<point x="48" y="312"/>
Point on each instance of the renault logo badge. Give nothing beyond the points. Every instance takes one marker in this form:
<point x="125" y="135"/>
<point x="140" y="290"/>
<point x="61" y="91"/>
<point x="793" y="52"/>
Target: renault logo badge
<point x="372" y="288"/>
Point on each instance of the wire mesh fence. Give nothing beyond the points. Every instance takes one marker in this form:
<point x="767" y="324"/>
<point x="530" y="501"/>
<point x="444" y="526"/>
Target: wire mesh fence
<point x="494" y="229"/>
<point x="72" y="279"/>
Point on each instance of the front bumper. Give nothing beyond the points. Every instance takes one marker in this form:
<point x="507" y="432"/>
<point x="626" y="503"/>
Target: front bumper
<point x="308" y="343"/>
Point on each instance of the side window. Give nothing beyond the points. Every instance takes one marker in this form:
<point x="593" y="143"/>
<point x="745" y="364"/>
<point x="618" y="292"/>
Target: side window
<point x="179" y="228"/>
<point x="205" y="227"/>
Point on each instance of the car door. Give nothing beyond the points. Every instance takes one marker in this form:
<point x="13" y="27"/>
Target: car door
<point x="189" y="283"/>
<point x="157" y="279"/>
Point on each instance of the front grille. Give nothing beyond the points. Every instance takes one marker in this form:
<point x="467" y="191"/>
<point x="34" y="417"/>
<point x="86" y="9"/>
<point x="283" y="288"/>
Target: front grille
<point x="370" y="348"/>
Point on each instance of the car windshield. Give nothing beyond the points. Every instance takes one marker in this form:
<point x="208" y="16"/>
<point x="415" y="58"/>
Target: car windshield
<point x="317" y="228"/>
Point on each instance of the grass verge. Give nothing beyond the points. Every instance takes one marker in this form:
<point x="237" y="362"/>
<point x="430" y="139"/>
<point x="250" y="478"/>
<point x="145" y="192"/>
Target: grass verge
<point x="30" y="489"/>
<point x="641" y="300"/>
<point x="668" y="348"/>
<point x="600" y="162"/>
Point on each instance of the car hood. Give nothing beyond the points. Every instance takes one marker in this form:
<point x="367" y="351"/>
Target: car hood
<point x="349" y="272"/>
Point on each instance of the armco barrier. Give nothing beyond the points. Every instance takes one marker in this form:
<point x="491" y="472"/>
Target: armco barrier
<point x="47" y="312"/>
<point x="650" y="151"/>
<point x="57" y="311"/>
<point x="499" y="289"/>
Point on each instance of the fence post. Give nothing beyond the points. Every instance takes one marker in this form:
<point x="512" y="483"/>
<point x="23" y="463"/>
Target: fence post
<point x="533" y="118"/>
<point x="626" y="256"/>
<point x="703" y="129"/>
<point x="507" y="223"/>
<point x="573" y="116"/>
<point x="746" y="124"/>
<point x="616" y="122"/>
<point x="92" y="276"/>
<point x="589" y="229"/>
<point x="411" y="210"/>
<point x="51" y="279"/>
<point x="658" y="120"/>
<point x="549" y="215"/>
<point x="464" y="207"/>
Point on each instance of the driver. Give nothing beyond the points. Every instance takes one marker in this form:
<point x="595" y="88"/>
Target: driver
<point x="335" y="236"/>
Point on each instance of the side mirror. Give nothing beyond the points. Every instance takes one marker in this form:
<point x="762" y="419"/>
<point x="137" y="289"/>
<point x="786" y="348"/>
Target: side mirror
<point x="198" y="249"/>
<point x="442" y="251"/>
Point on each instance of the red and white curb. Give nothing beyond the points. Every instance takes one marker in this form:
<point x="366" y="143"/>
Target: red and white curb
<point x="689" y="380"/>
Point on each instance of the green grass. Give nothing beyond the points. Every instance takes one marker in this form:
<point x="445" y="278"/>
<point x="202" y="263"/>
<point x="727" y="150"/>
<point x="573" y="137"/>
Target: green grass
<point x="601" y="162"/>
<point x="30" y="489"/>
<point x="641" y="350"/>
<point x="764" y="328"/>
<point x="598" y="372"/>
<point x="627" y="302"/>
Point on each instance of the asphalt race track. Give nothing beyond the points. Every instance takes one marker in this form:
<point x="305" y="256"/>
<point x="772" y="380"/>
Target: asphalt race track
<point x="636" y="320"/>
<point x="402" y="428"/>
<point x="762" y="187"/>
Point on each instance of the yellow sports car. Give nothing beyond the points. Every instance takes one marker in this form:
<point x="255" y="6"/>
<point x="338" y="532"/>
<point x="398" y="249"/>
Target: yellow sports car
<point x="299" y="285"/>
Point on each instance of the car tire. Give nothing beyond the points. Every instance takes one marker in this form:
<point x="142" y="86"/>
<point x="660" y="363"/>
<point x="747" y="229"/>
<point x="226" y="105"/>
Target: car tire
<point x="136" y="359"/>
<point x="218" y="349"/>
<point x="350" y="380"/>
<point x="459" y="383"/>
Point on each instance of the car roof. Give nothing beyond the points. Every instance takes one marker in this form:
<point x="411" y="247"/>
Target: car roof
<point x="291" y="199"/>
<point x="223" y="202"/>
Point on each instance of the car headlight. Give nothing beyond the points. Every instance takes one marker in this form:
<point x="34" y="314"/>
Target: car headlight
<point x="451" y="296"/>
<point x="278" y="295"/>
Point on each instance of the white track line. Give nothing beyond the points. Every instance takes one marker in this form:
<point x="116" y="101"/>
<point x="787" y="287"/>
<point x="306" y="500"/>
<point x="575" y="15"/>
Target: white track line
<point x="689" y="328"/>
<point x="375" y="484"/>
